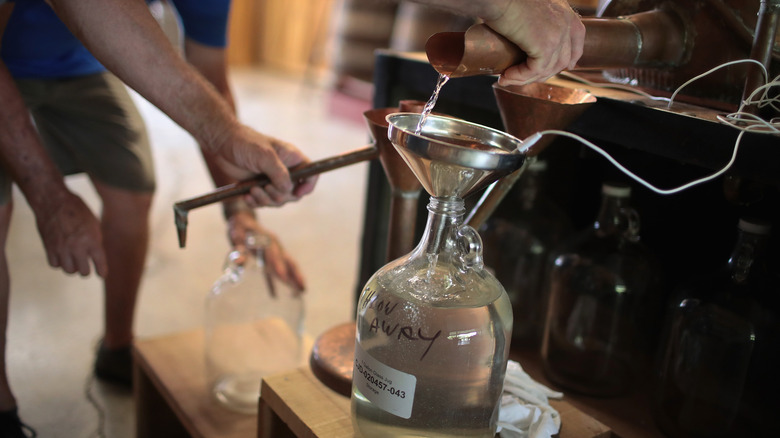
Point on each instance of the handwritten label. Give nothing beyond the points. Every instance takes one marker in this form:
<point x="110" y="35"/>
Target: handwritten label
<point x="389" y="389"/>
<point x="384" y="322"/>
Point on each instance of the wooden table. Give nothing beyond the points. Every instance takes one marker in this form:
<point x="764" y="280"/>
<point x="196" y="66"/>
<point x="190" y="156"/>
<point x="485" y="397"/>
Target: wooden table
<point x="171" y="395"/>
<point x="296" y="404"/>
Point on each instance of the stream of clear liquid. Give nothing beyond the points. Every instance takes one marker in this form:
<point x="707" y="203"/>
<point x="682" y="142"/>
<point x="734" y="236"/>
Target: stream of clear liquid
<point x="431" y="103"/>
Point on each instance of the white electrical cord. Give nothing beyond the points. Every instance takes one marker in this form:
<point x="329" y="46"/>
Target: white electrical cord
<point x="535" y="137"/>
<point x="743" y="121"/>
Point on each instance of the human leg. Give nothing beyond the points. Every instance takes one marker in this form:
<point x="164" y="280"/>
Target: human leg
<point x="91" y="125"/>
<point x="125" y="227"/>
<point x="7" y="400"/>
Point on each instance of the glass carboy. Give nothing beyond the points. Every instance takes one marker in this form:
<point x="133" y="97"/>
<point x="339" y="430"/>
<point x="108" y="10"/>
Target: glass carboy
<point x="434" y="326"/>
<point x="717" y="368"/>
<point x="253" y="328"/>
<point x="601" y="286"/>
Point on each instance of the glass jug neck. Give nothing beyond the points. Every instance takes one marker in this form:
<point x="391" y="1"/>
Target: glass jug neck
<point x="613" y="218"/>
<point x="445" y="216"/>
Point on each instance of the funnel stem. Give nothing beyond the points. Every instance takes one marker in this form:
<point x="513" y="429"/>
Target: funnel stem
<point x="491" y="198"/>
<point x="445" y="215"/>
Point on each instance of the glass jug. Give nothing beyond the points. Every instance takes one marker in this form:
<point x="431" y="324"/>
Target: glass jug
<point x="716" y="374"/>
<point x="601" y="287"/>
<point x="253" y="328"/>
<point x="433" y="335"/>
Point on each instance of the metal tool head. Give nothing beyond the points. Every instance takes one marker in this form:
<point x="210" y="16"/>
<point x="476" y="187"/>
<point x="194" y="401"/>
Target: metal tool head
<point x="528" y="109"/>
<point x="452" y="157"/>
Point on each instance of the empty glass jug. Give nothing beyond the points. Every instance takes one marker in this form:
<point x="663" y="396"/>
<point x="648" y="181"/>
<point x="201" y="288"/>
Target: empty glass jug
<point x="254" y="327"/>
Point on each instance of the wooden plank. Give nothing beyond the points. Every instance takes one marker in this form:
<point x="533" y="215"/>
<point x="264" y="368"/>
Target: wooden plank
<point x="312" y="410"/>
<point x="309" y="408"/>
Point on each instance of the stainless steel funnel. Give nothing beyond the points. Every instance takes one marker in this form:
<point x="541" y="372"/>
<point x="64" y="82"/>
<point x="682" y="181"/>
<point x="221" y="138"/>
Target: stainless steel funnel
<point x="452" y="157"/>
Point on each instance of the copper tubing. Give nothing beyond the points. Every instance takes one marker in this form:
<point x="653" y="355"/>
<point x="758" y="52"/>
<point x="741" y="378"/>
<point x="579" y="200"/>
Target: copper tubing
<point x="478" y="51"/>
<point x="655" y="38"/>
<point x="303" y="171"/>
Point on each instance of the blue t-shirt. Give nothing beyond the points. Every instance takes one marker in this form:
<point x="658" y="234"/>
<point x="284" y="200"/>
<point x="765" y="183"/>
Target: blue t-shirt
<point x="36" y="44"/>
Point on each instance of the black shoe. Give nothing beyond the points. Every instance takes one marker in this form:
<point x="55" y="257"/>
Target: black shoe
<point x="12" y="427"/>
<point x="114" y="365"/>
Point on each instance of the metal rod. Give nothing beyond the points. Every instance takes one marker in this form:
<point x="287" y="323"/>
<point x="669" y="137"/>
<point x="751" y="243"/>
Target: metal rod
<point x="181" y="208"/>
<point x="763" y="43"/>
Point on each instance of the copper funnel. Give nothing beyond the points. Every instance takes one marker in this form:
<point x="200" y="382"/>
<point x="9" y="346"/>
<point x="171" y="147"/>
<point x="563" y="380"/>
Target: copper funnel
<point x="452" y="157"/>
<point x="532" y="108"/>
<point x="526" y="110"/>
<point x="404" y="185"/>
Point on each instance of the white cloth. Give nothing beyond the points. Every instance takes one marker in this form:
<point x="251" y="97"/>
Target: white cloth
<point x="525" y="411"/>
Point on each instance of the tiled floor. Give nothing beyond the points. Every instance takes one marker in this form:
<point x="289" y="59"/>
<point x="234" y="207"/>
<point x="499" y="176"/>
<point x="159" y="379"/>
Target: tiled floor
<point x="55" y="320"/>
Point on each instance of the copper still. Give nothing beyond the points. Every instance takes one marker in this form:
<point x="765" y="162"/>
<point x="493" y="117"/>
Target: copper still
<point x="653" y="44"/>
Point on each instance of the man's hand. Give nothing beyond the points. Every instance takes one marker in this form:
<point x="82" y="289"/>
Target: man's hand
<point x="549" y="31"/>
<point x="258" y="153"/>
<point x="71" y="236"/>
<point x="278" y="262"/>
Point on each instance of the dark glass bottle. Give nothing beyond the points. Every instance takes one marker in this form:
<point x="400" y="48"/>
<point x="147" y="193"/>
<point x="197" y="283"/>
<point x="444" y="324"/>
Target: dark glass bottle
<point x="518" y="242"/>
<point x="716" y="374"/>
<point x="602" y="286"/>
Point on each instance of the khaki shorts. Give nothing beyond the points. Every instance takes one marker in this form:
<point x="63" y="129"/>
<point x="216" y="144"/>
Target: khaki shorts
<point x="89" y="124"/>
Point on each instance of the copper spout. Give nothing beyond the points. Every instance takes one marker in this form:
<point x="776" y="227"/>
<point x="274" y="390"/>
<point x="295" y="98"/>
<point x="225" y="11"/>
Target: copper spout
<point x="478" y="51"/>
<point x="181" y="208"/>
<point x="656" y="37"/>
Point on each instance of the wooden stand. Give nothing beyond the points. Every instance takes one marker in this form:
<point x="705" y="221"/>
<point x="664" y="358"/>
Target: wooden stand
<point x="296" y="404"/>
<point x="171" y="395"/>
<point x="173" y="400"/>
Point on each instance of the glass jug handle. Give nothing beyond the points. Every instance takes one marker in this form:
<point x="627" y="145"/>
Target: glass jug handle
<point x="632" y="220"/>
<point x="469" y="246"/>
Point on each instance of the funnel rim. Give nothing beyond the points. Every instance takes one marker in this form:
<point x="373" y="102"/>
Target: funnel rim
<point x="586" y="97"/>
<point x="499" y="152"/>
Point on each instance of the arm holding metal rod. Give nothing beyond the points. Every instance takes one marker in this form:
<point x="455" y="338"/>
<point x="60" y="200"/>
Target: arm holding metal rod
<point x="302" y="171"/>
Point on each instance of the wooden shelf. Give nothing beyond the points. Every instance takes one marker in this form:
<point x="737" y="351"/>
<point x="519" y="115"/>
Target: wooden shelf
<point x="310" y="409"/>
<point x="627" y="416"/>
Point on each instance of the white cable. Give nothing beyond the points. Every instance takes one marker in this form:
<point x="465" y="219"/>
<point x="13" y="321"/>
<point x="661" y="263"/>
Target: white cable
<point x="532" y="139"/>
<point x="714" y="69"/>
<point x="740" y="120"/>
